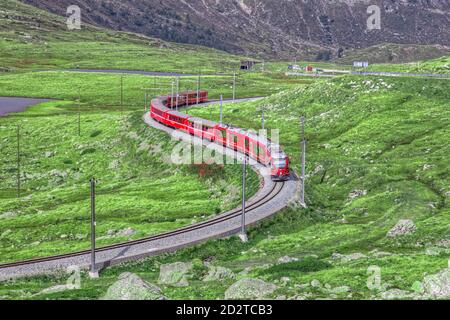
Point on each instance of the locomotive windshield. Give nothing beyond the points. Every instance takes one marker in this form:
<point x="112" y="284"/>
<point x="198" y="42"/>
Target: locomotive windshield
<point x="279" y="161"/>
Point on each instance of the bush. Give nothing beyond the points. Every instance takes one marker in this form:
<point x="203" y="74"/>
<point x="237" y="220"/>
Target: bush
<point x="306" y="265"/>
<point x="96" y="133"/>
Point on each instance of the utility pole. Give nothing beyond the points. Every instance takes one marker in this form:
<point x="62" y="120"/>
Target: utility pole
<point x="178" y="92"/>
<point x="263" y="120"/>
<point x="303" y="147"/>
<point x="198" y="89"/>
<point x="18" y="161"/>
<point x="243" y="235"/>
<point x="234" y="86"/>
<point x="221" y="109"/>
<point x="121" y="94"/>
<point x="172" y="96"/>
<point x="94" y="272"/>
<point x="79" y="112"/>
<point x="145" y="101"/>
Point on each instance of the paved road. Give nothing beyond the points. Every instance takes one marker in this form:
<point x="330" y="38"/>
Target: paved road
<point x="13" y="105"/>
<point x="175" y="242"/>
<point x="145" y="73"/>
<point x="403" y="74"/>
<point x="381" y="74"/>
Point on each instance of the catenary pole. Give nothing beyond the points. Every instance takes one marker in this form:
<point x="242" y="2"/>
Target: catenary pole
<point x="221" y="109"/>
<point x="303" y="160"/>
<point x="243" y="234"/>
<point x="198" y="89"/>
<point x="234" y="86"/>
<point x="79" y="112"/>
<point x="18" y="161"/>
<point x="121" y="94"/>
<point x="178" y="92"/>
<point x="94" y="272"/>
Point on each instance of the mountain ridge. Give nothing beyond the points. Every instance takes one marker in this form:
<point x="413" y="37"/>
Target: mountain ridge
<point x="270" y="28"/>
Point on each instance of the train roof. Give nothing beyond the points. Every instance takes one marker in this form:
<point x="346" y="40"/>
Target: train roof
<point x="179" y="114"/>
<point x="204" y="122"/>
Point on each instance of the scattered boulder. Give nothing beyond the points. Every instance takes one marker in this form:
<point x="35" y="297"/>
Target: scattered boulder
<point x="249" y="289"/>
<point x="115" y="164"/>
<point x="447" y="194"/>
<point x="403" y="227"/>
<point x="55" y="289"/>
<point x="286" y="259"/>
<point x="6" y="233"/>
<point x="316" y="284"/>
<point x="348" y="258"/>
<point x="8" y="215"/>
<point x="131" y="287"/>
<point x="49" y="154"/>
<point x="340" y="290"/>
<point x="380" y="254"/>
<point x="126" y="232"/>
<point x="219" y="274"/>
<point x="437" y="285"/>
<point x="356" y="194"/>
<point x="175" y="274"/>
<point x="397" y="294"/>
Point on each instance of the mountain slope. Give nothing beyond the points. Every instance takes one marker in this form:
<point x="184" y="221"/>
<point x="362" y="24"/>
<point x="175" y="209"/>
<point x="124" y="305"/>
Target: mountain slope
<point x="270" y="27"/>
<point x="31" y="38"/>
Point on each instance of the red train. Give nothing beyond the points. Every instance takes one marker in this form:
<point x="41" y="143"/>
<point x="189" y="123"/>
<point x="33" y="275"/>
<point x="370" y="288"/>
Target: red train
<point x="258" y="148"/>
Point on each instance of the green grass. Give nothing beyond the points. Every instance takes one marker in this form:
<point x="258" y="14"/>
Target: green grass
<point x="436" y="66"/>
<point x="32" y="39"/>
<point x="137" y="187"/>
<point x="104" y="90"/>
<point x="387" y="137"/>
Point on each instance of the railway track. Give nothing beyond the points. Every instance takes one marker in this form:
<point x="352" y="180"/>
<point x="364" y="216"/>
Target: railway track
<point x="270" y="199"/>
<point x="275" y="190"/>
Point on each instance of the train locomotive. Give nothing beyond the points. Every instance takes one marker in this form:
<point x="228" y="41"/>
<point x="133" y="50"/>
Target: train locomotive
<point x="256" y="147"/>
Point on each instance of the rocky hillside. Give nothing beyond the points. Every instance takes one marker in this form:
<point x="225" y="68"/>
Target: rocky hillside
<point x="318" y="29"/>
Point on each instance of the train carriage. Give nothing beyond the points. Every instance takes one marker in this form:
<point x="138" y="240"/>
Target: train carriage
<point x="256" y="147"/>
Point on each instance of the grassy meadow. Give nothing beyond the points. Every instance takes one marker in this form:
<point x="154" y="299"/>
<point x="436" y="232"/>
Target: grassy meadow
<point x="378" y="153"/>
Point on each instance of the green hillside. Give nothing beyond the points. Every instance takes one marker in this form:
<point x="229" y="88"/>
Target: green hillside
<point x="378" y="154"/>
<point x="33" y="39"/>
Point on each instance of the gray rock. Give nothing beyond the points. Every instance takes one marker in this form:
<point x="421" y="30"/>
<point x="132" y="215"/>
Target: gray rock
<point x="175" y="274"/>
<point x="340" y="290"/>
<point x="131" y="287"/>
<point x="219" y="274"/>
<point x="437" y="285"/>
<point x="286" y="259"/>
<point x="316" y="284"/>
<point x="397" y="294"/>
<point x="356" y="194"/>
<point x="348" y="258"/>
<point x="8" y="215"/>
<point x="403" y="227"/>
<point x="115" y="164"/>
<point x="249" y="289"/>
<point x="6" y="233"/>
<point x="55" y="289"/>
<point x="380" y="254"/>
<point x="126" y="232"/>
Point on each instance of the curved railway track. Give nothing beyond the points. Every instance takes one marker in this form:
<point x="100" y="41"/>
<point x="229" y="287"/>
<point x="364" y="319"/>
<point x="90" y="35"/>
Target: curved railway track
<point x="277" y="188"/>
<point x="270" y="199"/>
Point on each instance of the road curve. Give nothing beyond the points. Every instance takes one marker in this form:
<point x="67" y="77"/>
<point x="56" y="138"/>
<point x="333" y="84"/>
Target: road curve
<point x="270" y="199"/>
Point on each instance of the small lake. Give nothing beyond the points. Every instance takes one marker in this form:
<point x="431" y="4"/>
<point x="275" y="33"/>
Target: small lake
<point x="14" y="105"/>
